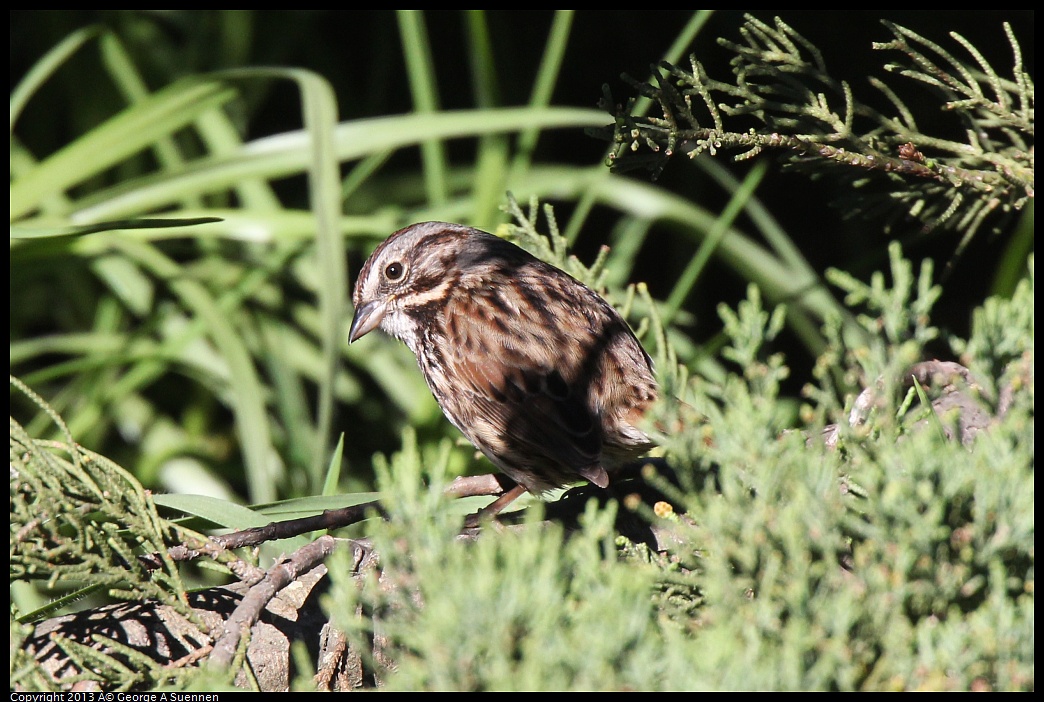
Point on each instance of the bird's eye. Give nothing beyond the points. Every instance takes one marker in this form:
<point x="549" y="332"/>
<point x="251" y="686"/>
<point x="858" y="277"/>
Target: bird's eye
<point x="393" y="271"/>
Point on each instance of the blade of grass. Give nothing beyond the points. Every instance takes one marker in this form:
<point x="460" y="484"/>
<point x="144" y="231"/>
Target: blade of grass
<point x="285" y="154"/>
<point x="543" y="87"/>
<point x="416" y="49"/>
<point x="493" y="149"/>
<point x="683" y="286"/>
<point x="214" y="128"/>
<point x="677" y="50"/>
<point x="46" y="67"/>
<point x="246" y="396"/>
<point x="319" y="109"/>
<point x="119" y="137"/>
<point x="18" y="232"/>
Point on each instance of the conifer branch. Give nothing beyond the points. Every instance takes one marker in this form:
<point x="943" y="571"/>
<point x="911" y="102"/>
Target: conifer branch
<point x="781" y="82"/>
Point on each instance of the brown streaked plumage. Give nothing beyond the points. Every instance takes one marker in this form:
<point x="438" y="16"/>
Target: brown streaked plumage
<point x="539" y="372"/>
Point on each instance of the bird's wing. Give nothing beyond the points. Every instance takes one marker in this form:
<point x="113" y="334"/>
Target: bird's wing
<point x="521" y="398"/>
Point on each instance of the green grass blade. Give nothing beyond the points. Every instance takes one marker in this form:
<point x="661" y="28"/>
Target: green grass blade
<point x="45" y="68"/>
<point x="416" y="50"/>
<point x="286" y="154"/>
<point x="124" y="135"/>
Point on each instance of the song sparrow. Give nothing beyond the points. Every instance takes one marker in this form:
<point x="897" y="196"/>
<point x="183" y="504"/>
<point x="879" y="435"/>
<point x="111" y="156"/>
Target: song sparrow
<point x="539" y="372"/>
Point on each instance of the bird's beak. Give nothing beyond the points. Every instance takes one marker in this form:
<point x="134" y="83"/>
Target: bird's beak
<point x="366" y="319"/>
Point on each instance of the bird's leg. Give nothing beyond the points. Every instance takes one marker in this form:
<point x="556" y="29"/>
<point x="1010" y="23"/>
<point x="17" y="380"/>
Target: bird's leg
<point x="494" y="508"/>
